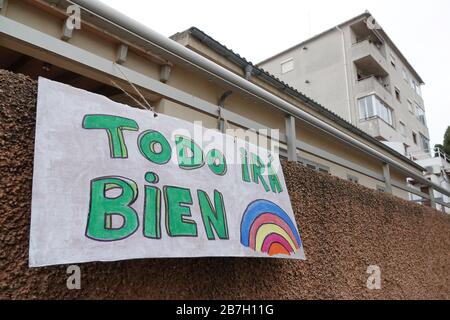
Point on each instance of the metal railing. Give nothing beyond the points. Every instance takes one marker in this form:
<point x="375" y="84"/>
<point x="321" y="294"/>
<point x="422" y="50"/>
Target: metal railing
<point x="439" y="153"/>
<point x="419" y="155"/>
<point x="436" y="153"/>
<point x="386" y="86"/>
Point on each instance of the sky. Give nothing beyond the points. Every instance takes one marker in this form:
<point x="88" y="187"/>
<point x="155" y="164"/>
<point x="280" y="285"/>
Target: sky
<point x="259" y="29"/>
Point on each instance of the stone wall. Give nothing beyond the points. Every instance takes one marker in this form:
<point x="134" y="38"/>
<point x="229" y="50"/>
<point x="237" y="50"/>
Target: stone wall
<point x="344" y="227"/>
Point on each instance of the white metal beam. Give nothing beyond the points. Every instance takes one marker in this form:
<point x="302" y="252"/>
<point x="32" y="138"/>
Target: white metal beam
<point x="291" y="137"/>
<point x="387" y="177"/>
<point x="432" y="199"/>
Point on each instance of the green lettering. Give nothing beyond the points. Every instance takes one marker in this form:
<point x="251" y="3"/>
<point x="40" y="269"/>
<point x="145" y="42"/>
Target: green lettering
<point x="149" y="141"/>
<point x="216" y="162"/>
<point x="274" y="181"/>
<point x="152" y="213"/>
<point x="258" y="169"/>
<point x="176" y="200"/>
<point x="187" y="161"/>
<point x="114" y="126"/>
<point x="244" y="160"/>
<point x="213" y="218"/>
<point x="102" y="209"/>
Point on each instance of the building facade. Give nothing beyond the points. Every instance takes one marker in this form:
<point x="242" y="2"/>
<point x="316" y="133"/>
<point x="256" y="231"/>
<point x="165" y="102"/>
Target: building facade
<point x="357" y="72"/>
<point x="437" y="171"/>
<point x="196" y="79"/>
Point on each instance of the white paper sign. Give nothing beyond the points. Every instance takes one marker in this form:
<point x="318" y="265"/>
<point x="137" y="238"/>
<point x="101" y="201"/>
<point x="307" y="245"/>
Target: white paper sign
<point x="113" y="182"/>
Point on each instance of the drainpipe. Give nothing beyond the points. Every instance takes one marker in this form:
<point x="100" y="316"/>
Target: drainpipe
<point x="221" y="107"/>
<point x="347" y="86"/>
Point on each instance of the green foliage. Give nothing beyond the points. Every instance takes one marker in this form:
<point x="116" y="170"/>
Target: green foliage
<point x="447" y="141"/>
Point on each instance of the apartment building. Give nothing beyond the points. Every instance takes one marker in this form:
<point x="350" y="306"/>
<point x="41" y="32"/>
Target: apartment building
<point x="438" y="172"/>
<point x="196" y="79"/>
<point x="357" y="72"/>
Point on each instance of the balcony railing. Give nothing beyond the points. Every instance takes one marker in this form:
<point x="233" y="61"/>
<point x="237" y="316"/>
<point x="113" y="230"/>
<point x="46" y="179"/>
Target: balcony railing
<point x="419" y="155"/>
<point x="372" y="83"/>
<point x="439" y="153"/>
<point x="377" y="127"/>
<point x="369" y="44"/>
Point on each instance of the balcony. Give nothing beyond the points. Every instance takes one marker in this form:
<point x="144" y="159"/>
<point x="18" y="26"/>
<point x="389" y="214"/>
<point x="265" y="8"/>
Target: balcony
<point x="368" y="49"/>
<point x="445" y="159"/>
<point x="437" y="162"/>
<point x="375" y="85"/>
<point x="378" y="128"/>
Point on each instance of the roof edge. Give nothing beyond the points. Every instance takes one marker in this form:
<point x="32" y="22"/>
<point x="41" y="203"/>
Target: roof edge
<point x="366" y="14"/>
<point x="282" y="86"/>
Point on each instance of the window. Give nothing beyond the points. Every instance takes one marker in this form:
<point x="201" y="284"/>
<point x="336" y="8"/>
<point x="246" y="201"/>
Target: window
<point x="414" y="136"/>
<point x="414" y="85"/>
<point x="405" y="75"/>
<point x="419" y="90"/>
<point x="393" y="62"/>
<point x="314" y="166"/>
<point x="402" y="128"/>
<point x="352" y="178"/>
<point x="287" y="66"/>
<point x="371" y="107"/>
<point x="397" y="94"/>
<point x="425" y="143"/>
<point x="410" y="106"/>
<point x="420" y="114"/>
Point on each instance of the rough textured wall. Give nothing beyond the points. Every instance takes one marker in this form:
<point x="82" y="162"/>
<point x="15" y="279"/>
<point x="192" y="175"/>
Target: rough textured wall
<point x="345" y="228"/>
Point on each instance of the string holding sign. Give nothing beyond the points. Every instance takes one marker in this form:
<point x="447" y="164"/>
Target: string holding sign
<point x="149" y="106"/>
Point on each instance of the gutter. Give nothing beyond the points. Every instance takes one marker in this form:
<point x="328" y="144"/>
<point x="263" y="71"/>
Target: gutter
<point x="179" y="52"/>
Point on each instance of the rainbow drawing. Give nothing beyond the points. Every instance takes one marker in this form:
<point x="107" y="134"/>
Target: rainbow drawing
<point x="267" y="228"/>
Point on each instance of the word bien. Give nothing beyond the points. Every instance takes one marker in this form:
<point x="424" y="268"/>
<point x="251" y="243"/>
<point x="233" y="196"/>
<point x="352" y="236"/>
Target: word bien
<point x="177" y="201"/>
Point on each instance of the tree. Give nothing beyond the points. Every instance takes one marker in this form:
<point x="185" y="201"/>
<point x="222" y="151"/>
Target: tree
<point x="447" y="141"/>
<point x="446" y="146"/>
